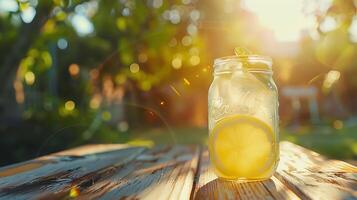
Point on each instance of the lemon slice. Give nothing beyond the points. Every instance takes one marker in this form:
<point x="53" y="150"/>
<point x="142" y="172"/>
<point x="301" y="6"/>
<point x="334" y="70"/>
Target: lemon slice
<point x="241" y="146"/>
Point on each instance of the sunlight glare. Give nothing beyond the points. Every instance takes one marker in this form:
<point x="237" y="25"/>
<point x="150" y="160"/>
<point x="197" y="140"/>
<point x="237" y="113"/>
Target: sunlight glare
<point x="284" y="17"/>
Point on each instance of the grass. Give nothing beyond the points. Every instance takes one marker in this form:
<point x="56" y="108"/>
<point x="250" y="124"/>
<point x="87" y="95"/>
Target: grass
<point x="337" y="144"/>
<point x="31" y="142"/>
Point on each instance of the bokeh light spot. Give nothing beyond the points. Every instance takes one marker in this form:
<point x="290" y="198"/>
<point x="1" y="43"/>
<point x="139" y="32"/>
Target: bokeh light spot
<point x="134" y="68"/>
<point x="69" y="105"/>
<point x="126" y="12"/>
<point x="95" y="102"/>
<point x="173" y="42"/>
<point x="174" y="16"/>
<point x="157" y="3"/>
<point x="186" y="41"/>
<point x="73" y="69"/>
<point x="192" y="29"/>
<point x="30" y="78"/>
<point x="195" y="60"/>
<point x="194" y="51"/>
<point x="82" y="24"/>
<point x="62" y="43"/>
<point x="186" y="1"/>
<point x="176" y="62"/>
<point x="195" y="15"/>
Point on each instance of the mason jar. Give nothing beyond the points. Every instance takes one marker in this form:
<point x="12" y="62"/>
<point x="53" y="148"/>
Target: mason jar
<point x="243" y="118"/>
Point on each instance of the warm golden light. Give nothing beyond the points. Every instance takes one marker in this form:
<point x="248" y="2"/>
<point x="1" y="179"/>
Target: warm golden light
<point x="186" y="41"/>
<point x="286" y="18"/>
<point x="134" y="68"/>
<point x="331" y="78"/>
<point x="69" y="105"/>
<point x="95" y="102"/>
<point x="186" y="81"/>
<point x="195" y="60"/>
<point x="177" y="62"/>
<point x="30" y="78"/>
<point x="73" y="69"/>
<point x="74" y="192"/>
<point x="285" y="72"/>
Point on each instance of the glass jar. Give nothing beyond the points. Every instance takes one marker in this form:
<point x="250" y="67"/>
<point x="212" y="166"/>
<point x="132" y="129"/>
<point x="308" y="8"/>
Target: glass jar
<point x="243" y="118"/>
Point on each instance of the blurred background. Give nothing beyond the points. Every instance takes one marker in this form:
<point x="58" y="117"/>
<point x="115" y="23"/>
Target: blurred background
<point x="75" y="72"/>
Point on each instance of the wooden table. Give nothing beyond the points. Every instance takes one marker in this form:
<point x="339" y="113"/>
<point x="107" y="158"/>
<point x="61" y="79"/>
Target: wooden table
<point x="119" y="171"/>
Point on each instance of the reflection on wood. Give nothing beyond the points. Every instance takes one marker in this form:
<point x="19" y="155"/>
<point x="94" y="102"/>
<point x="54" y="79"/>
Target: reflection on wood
<point x="166" y="172"/>
<point x="312" y="176"/>
<point x="209" y="187"/>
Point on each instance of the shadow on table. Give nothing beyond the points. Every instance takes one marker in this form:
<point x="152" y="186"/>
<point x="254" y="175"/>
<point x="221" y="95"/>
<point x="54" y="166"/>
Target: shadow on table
<point x="221" y="189"/>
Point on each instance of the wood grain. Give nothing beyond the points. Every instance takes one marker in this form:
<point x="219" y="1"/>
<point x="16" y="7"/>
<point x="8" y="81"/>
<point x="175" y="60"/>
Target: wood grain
<point x="165" y="175"/>
<point x="312" y="176"/>
<point x="171" y="172"/>
<point x="51" y="173"/>
<point x="208" y="186"/>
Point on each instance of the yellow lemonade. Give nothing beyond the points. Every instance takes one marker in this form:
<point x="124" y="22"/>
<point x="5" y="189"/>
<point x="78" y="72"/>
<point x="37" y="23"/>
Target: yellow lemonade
<point x="243" y="147"/>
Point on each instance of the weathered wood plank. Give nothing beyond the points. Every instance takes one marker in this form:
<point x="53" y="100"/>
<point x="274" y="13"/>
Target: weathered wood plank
<point x="301" y="174"/>
<point x="209" y="187"/>
<point x="294" y="157"/>
<point x="52" y="173"/>
<point x="312" y="176"/>
<point x="180" y="172"/>
<point x="162" y="173"/>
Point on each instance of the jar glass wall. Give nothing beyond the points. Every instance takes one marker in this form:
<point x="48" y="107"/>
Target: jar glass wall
<point x="243" y="118"/>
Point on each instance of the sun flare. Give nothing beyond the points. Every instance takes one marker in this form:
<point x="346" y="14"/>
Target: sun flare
<point x="286" y="18"/>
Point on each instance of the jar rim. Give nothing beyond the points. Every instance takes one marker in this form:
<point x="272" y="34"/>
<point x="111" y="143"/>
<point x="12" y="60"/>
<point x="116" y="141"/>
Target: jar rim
<point x="253" y="57"/>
